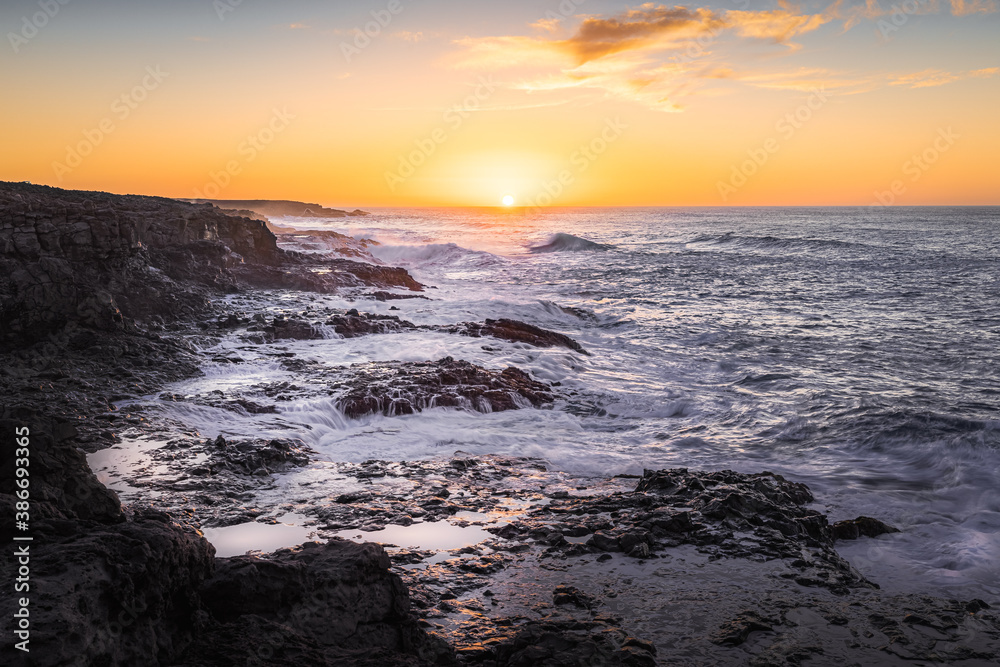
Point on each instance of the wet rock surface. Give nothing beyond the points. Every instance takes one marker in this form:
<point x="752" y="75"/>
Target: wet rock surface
<point x="138" y="587"/>
<point x="335" y="601"/>
<point x="511" y="563"/>
<point x="517" y="332"/>
<point x="353" y="324"/>
<point x="404" y="388"/>
<point x="863" y="526"/>
<point x="651" y="570"/>
<point x="100" y="261"/>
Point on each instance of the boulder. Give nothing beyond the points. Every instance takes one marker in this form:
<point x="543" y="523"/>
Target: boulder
<point x="395" y="388"/>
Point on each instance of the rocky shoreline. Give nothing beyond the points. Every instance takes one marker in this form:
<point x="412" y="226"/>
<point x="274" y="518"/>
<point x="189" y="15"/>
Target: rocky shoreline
<point x="105" y="299"/>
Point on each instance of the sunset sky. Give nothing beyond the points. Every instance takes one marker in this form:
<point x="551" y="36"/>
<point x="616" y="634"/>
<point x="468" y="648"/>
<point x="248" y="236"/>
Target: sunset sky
<point x="587" y="102"/>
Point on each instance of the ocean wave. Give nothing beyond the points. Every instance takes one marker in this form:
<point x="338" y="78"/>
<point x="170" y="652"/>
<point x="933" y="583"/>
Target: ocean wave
<point x="770" y="242"/>
<point x="433" y="254"/>
<point x="568" y="243"/>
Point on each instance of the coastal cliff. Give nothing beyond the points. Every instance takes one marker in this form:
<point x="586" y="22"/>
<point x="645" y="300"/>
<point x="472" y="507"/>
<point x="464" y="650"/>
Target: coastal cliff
<point x="102" y="260"/>
<point x="281" y="208"/>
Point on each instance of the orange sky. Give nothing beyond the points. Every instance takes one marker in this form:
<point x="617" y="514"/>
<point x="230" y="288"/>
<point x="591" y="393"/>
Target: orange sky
<point x="458" y="103"/>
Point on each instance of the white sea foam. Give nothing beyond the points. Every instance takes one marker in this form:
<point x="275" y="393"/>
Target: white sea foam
<point x="750" y="340"/>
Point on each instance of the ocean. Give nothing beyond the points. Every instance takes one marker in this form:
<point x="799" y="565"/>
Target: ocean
<point x="853" y="349"/>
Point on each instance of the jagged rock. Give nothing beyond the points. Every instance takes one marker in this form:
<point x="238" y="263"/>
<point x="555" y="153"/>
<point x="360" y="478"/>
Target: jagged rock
<point x="278" y="208"/>
<point x="282" y="329"/>
<point x="556" y="641"/>
<point x="863" y="526"/>
<point x="390" y="296"/>
<point x="101" y="261"/>
<point x="564" y="595"/>
<point x="396" y="388"/>
<point x="735" y="631"/>
<point x="253" y="456"/>
<point x="352" y="326"/>
<point x="106" y="587"/>
<point x="331" y="598"/>
<point x="516" y="332"/>
<point x="62" y="485"/>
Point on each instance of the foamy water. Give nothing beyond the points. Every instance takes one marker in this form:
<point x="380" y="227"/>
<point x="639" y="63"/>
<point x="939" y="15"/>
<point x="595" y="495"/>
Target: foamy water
<point x="857" y="354"/>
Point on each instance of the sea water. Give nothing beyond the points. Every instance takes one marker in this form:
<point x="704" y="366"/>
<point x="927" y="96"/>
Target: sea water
<point x="855" y="350"/>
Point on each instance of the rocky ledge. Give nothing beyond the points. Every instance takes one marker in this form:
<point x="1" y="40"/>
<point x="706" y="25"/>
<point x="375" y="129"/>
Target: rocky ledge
<point x="405" y="388"/>
<point x="137" y="587"/>
<point x="103" y="261"/>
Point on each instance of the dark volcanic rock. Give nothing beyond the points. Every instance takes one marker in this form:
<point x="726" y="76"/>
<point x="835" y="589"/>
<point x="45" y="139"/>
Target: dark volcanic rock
<point x="395" y="388"/>
<point x="277" y="207"/>
<point x="117" y="594"/>
<point x="106" y="587"/>
<point x="363" y="324"/>
<point x="59" y="475"/>
<point x="735" y="631"/>
<point x="256" y="457"/>
<point x="305" y="273"/>
<point x="556" y="641"/>
<point x="517" y="332"/>
<point x="70" y="256"/>
<point x="334" y="598"/>
<point x="100" y="261"/>
<point x="325" y="240"/>
<point x="282" y="329"/>
<point x="708" y="509"/>
<point x="137" y="588"/>
<point x="863" y="526"/>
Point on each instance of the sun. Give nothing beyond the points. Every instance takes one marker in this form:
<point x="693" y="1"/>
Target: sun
<point x="508" y="200"/>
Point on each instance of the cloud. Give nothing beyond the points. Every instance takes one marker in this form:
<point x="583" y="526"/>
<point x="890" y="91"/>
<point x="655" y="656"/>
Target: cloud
<point x="806" y="79"/>
<point x="778" y="26"/>
<point x="548" y="25"/>
<point x="872" y="10"/>
<point x="297" y="26"/>
<point x="963" y="8"/>
<point x="636" y="28"/>
<point x="411" y="37"/>
<point x="657" y="55"/>
<point x="935" y="77"/>
<point x="648" y="27"/>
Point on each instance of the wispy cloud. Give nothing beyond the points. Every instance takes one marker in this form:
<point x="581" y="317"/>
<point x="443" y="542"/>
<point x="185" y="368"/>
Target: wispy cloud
<point x="657" y="55"/>
<point x="963" y="8"/>
<point x="411" y="37"/>
<point x="936" y="77"/>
